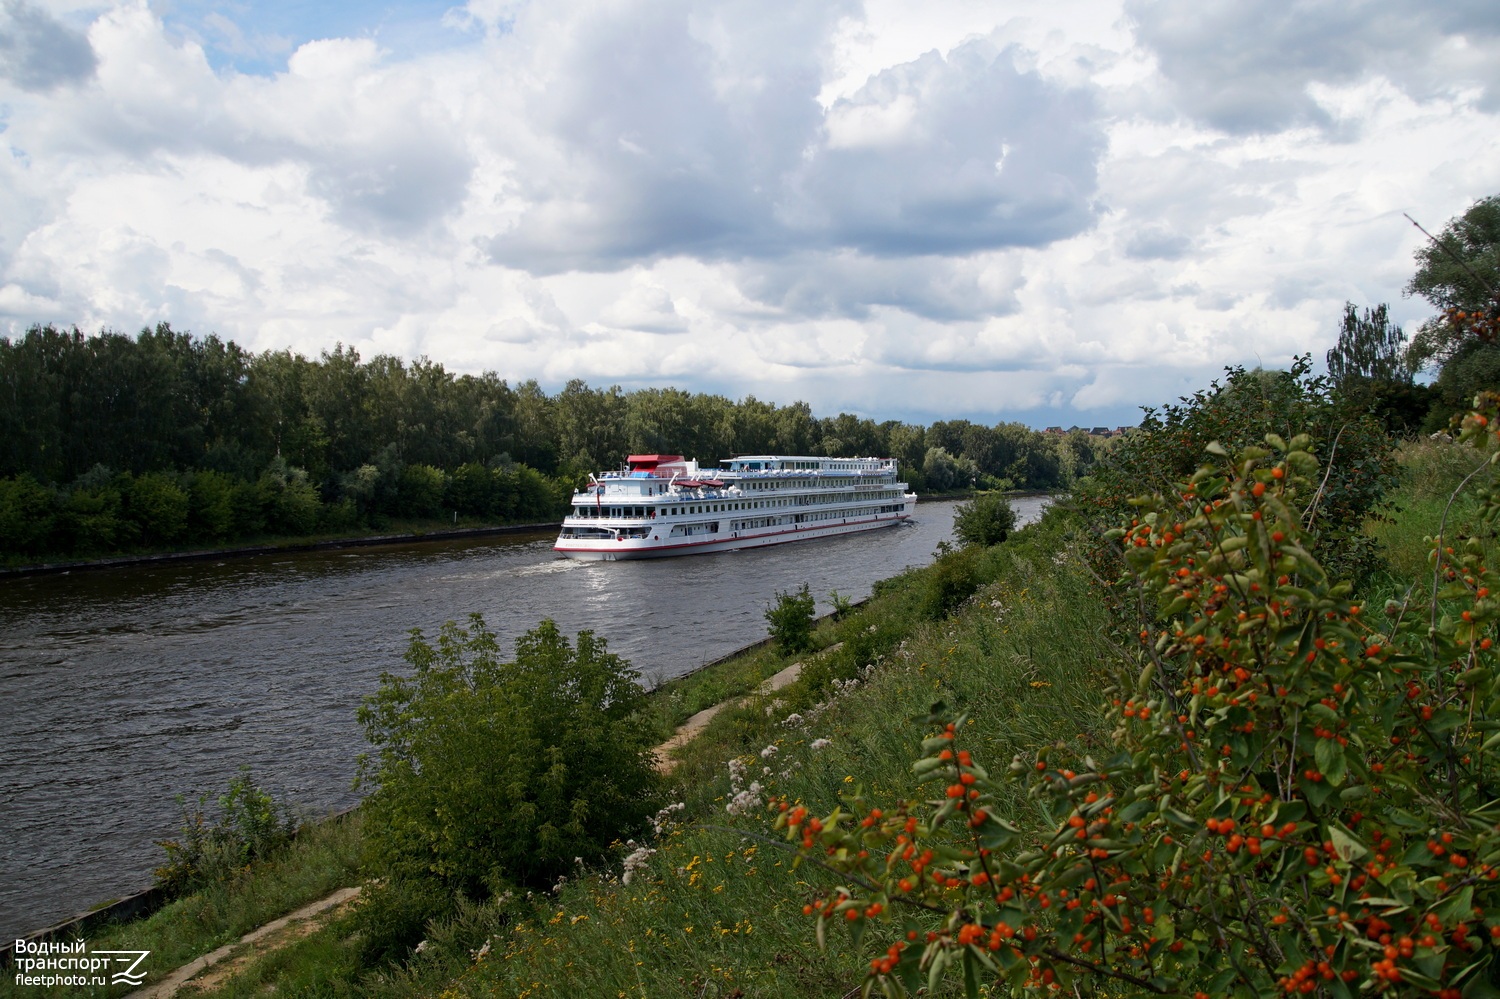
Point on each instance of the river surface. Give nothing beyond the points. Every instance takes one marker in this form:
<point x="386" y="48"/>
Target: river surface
<point x="124" y="688"/>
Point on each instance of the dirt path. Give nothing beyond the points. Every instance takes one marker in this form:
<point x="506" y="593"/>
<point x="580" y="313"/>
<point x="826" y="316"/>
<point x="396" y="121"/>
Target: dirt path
<point x="688" y="730"/>
<point x="272" y="936"/>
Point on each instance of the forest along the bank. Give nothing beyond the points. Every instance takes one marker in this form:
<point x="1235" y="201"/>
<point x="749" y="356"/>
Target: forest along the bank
<point x="112" y="443"/>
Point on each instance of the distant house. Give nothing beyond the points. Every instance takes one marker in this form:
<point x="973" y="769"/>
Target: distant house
<point x="1074" y="429"/>
<point x="1053" y="430"/>
<point x="1099" y="432"/>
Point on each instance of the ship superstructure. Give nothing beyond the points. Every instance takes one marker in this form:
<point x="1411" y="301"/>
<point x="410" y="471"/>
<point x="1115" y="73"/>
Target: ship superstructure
<point x="663" y="504"/>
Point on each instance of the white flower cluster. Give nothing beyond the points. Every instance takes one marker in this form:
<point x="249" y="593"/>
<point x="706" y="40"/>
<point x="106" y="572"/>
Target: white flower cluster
<point x="769" y="752"/>
<point x="792" y="720"/>
<point x="820" y="744"/>
<point x="743" y="800"/>
<point x="635" y="861"/>
<point x="663" y="818"/>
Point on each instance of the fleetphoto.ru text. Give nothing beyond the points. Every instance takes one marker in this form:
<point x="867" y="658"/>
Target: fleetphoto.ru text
<point x="49" y="964"/>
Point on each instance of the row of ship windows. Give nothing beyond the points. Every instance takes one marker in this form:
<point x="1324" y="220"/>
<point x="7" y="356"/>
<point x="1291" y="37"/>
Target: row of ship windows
<point x="807" y="518"/>
<point x="689" y="510"/>
<point x="712" y="526"/>
<point x="838" y="482"/>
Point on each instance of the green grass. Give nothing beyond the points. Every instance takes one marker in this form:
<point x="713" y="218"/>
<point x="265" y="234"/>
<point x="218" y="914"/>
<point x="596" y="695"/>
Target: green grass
<point x="321" y="860"/>
<point x="1425" y="505"/>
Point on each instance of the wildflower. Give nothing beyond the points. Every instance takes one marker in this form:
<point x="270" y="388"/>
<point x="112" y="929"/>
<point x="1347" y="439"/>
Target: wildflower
<point x="792" y="720"/>
<point x="745" y="801"/>
<point x="769" y="752"/>
<point x="635" y="862"/>
<point x="820" y="744"/>
<point x="660" y="820"/>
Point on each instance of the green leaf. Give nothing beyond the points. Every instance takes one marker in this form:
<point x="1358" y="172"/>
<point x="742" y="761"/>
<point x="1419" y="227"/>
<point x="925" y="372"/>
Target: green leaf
<point x="1345" y="844"/>
<point x="1330" y="757"/>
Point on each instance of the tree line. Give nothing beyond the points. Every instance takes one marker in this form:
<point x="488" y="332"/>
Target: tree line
<point x="113" y="442"/>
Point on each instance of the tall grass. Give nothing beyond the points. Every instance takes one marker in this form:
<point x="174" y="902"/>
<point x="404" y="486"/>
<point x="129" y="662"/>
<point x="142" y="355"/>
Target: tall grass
<point x="324" y="858"/>
<point x="1424" y="504"/>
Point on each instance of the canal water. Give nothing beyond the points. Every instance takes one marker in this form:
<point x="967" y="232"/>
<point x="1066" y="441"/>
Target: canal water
<point x="124" y="688"/>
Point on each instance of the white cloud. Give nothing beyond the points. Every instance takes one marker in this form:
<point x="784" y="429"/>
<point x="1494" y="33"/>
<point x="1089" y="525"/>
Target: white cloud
<point x="930" y="212"/>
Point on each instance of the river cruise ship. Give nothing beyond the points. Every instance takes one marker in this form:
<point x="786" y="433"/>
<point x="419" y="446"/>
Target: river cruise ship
<point x="662" y="504"/>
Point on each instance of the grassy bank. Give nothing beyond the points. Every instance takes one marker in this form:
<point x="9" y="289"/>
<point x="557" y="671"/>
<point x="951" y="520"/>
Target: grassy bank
<point x="717" y="909"/>
<point x="323" y="858"/>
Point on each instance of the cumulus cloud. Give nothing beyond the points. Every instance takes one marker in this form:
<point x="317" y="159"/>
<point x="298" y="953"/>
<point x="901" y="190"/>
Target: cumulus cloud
<point x="1252" y="67"/>
<point x="951" y="154"/>
<point x="38" y="52"/>
<point x="722" y="150"/>
<point x="847" y="283"/>
<point x="1055" y="216"/>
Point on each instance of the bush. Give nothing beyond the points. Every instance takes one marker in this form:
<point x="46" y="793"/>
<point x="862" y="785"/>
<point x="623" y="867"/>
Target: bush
<point x="250" y="827"/>
<point x="791" y="620"/>
<point x="421" y="489"/>
<point x="159" y="506"/>
<point x="951" y="579"/>
<point x="91" y="518"/>
<point x="26" y="515"/>
<point x="985" y="520"/>
<point x="490" y="773"/>
<point x="1299" y="796"/>
<point x="1169" y="445"/>
<point x="290" y="504"/>
<point x="211" y="510"/>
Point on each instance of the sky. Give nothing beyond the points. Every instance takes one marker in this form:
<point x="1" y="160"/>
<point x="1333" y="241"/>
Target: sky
<point x="1055" y="213"/>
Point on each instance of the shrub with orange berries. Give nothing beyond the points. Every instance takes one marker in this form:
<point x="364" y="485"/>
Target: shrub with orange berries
<point x="1304" y="797"/>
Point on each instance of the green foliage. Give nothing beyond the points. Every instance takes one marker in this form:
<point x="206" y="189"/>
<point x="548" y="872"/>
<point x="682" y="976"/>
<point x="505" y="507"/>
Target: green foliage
<point x="985" y="520"/>
<point x="1369" y="348"/>
<point x="1370" y="371"/>
<point x="288" y="502"/>
<point x="488" y="773"/>
<point x="421" y="491"/>
<point x="211" y="505"/>
<point x="250" y="827"/>
<point x="952" y="578"/>
<point x="1238" y="413"/>
<point x="91" y="516"/>
<point x="942" y="472"/>
<point x="1471" y="369"/>
<point x="1296" y="796"/>
<point x="791" y="620"/>
<point x="159" y="507"/>
<point x="1459" y="273"/>
<point x="1462" y="270"/>
<point x="26" y="515"/>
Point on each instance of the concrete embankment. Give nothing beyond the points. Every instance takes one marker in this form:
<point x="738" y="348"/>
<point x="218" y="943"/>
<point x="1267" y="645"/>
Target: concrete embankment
<point x="206" y="554"/>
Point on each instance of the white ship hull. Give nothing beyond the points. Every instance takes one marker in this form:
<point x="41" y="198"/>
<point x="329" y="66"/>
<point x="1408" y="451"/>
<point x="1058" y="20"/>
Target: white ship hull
<point x="663" y="505"/>
<point x="632" y="548"/>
